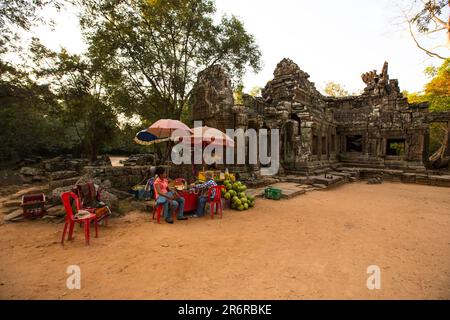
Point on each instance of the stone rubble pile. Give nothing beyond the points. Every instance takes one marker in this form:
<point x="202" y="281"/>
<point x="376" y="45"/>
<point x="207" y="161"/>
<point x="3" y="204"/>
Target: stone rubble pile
<point x="11" y="208"/>
<point x="59" y="171"/>
<point x="139" y="160"/>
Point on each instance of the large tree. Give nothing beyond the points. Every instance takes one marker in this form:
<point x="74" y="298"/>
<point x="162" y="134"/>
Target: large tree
<point x="151" y="51"/>
<point x="84" y="106"/>
<point x="20" y="15"/>
<point x="28" y="116"/>
<point x="27" y="109"/>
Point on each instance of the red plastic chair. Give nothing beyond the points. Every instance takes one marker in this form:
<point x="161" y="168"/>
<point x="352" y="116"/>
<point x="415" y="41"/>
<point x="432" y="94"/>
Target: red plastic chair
<point x="157" y="209"/>
<point x="217" y="200"/>
<point x="71" y="219"/>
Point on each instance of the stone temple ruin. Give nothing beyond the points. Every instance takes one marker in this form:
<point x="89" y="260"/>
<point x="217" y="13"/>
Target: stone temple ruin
<point x="378" y="129"/>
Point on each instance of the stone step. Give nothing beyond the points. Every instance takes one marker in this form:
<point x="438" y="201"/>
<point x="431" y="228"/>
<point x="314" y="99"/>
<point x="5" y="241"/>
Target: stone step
<point x="15" y="215"/>
<point x="291" y="193"/>
<point x="6" y="210"/>
<point x="12" y="203"/>
<point x="289" y="190"/>
<point x="326" y="181"/>
<point x="296" y="179"/>
<point x="32" y="190"/>
<point x="340" y="174"/>
<point x="319" y="186"/>
<point x="441" y="181"/>
<point x="257" y="193"/>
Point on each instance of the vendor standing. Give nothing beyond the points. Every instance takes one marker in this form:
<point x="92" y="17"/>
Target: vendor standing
<point x="167" y="197"/>
<point x="203" y="198"/>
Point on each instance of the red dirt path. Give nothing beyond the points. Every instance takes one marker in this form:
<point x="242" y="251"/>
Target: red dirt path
<point x="318" y="245"/>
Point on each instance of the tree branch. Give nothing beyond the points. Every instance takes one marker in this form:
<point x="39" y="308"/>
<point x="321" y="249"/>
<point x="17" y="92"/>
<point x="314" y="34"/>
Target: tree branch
<point x="431" y="54"/>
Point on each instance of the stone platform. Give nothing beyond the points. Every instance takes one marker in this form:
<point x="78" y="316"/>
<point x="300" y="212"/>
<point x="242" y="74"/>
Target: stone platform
<point x="289" y="189"/>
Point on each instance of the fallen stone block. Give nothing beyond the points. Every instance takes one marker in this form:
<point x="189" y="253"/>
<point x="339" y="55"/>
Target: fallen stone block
<point x="110" y="200"/>
<point x="56" y="194"/>
<point x="57" y="211"/>
<point x="292" y="193"/>
<point x="33" y="190"/>
<point x="38" y="178"/>
<point x="30" y="171"/>
<point x="63" y="183"/>
<point x="58" y="175"/>
<point x="15" y="215"/>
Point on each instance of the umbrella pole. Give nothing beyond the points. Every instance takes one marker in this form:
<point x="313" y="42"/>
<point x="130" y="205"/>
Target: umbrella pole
<point x="159" y="154"/>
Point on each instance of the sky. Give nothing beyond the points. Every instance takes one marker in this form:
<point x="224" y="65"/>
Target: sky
<point x="330" y="40"/>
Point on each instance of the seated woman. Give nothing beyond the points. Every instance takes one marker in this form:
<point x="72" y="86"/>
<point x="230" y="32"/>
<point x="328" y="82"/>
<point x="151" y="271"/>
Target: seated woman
<point x="203" y="198"/>
<point x="168" y="197"/>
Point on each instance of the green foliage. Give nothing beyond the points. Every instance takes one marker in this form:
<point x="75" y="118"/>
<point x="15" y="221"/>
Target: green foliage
<point x="151" y="51"/>
<point x="28" y="116"/>
<point x="238" y="95"/>
<point x="437" y="94"/>
<point x="430" y="71"/>
<point x="143" y="58"/>
<point x="80" y="88"/>
<point x="255" y="91"/>
<point x="430" y="15"/>
<point x="20" y="15"/>
<point x="437" y="91"/>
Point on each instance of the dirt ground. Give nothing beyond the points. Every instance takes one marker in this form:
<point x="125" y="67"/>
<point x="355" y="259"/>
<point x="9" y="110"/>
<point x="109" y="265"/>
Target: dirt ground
<point x="318" y="245"/>
<point x="115" y="161"/>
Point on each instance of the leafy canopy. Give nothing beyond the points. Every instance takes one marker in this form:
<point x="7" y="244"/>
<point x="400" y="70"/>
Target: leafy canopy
<point x="81" y="91"/>
<point x="151" y="51"/>
<point x="437" y="90"/>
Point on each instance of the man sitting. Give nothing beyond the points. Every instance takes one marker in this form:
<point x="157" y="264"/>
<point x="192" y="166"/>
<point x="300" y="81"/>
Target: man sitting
<point x="165" y="197"/>
<point x="203" y="198"/>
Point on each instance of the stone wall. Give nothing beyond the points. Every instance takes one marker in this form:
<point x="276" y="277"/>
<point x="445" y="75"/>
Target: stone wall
<point x="123" y="178"/>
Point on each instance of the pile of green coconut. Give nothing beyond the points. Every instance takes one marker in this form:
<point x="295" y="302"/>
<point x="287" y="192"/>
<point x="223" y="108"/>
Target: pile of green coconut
<point x="235" y="191"/>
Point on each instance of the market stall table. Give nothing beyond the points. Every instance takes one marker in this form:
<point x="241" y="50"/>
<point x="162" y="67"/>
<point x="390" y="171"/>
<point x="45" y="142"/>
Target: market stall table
<point x="190" y="200"/>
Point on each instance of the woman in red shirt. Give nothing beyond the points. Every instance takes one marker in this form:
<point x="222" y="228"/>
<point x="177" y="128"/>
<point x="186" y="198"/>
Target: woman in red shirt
<point x="167" y="197"/>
